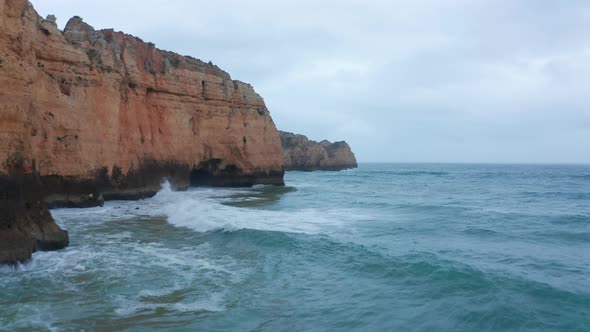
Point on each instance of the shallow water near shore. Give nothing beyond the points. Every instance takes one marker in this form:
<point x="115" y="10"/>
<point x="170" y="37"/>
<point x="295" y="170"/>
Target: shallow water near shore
<point x="385" y="247"/>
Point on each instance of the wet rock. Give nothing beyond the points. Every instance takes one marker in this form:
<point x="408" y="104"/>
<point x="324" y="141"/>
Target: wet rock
<point x="26" y="228"/>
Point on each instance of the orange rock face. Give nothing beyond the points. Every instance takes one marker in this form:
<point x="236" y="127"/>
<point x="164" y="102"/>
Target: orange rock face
<point x="86" y="114"/>
<point x="77" y="102"/>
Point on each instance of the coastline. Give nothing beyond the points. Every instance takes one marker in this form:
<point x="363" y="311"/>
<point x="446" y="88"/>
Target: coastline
<point x="92" y="115"/>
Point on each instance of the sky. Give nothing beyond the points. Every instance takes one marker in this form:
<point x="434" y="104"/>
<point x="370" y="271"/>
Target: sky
<point x="501" y="81"/>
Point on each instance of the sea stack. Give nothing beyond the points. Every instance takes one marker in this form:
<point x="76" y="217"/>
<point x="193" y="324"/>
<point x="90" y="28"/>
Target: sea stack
<point x="303" y="154"/>
<point x="89" y="115"/>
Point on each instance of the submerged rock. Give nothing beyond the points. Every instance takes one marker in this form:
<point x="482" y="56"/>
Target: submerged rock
<point x="303" y="154"/>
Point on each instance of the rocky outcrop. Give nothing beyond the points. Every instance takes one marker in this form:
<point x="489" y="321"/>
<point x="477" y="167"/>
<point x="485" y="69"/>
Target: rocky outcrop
<point x="25" y="228"/>
<point x="87" y="115"/>
<point x="302" y="154"/>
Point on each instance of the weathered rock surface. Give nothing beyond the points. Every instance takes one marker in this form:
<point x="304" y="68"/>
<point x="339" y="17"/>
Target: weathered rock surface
<point x="303" y="154"/>
<point x="87" y="115"/>
<point x="25" y="228"/>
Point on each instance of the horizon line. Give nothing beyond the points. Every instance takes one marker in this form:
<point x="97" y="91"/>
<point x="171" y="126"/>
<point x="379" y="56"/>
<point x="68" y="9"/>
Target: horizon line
<point x="479" y="163"/>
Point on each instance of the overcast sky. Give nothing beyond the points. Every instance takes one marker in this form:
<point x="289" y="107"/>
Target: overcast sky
<point x="426" y="80"/>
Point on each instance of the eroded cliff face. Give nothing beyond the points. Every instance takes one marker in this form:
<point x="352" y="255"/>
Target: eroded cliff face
<point x="303" y="154"/>
<point x="87" y="115"/>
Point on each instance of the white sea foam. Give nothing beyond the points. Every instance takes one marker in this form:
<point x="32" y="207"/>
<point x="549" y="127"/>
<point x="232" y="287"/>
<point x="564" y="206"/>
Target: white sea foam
<point x="202" y="210"/>
<point x="213" y="304"/>
<point x="198" y="209"/>
<point x="38" y="319"/>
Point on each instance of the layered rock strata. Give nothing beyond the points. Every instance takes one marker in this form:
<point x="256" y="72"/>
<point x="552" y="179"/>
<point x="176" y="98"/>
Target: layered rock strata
<point x="303" y="154"/>
<point x="88" y="115"/>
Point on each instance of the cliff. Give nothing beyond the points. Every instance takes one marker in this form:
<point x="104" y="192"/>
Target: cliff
<point x="87" y="115"/>
<point x="302" y="154"/>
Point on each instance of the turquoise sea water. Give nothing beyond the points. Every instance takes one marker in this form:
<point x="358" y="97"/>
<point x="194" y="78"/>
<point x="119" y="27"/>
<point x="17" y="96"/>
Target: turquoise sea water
<point x="385" y="247"/>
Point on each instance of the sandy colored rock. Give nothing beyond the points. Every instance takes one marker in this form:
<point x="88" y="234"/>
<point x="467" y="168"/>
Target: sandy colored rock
<point x="303" y="154"/>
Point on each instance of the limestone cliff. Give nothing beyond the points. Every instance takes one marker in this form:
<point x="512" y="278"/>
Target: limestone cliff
<point x="302" y="154"/>
<point x="89" y="114"/>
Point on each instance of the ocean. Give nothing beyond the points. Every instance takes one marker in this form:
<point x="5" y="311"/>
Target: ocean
<point x="385" y="247"/>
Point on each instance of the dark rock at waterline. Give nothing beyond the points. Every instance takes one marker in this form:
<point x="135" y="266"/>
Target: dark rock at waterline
<point x="76" y="201"/>
<point x="26" y="228"/>
<point x="27" y="196"/>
